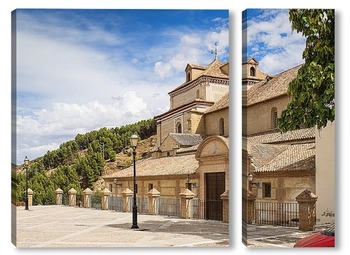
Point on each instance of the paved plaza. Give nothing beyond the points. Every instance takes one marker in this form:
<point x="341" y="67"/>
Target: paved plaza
<point x="275" y="236"/>
<point x="72" y="227"/>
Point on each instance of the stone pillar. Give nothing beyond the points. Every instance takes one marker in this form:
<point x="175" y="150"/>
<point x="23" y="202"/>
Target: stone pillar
<point x="307" y="210"/>
<point x="30" y="197"/>
<point x="153" y="208"/>
<point x="87" y="193"/>
<point x="225" y="206"/>
<point x="248" y="205"/>
<point x="72" y="196"/>
<point x="127" y="196"/>
<point x="105" y="195"/>
<point x="59" y="196"/>
<point x="186" y="204"/>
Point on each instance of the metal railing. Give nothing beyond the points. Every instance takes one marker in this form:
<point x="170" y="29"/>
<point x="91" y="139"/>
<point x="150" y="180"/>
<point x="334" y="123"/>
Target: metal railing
<point x="115" y="203"/>
<point x="169" y="206"/>
<point x="277" y="214"/>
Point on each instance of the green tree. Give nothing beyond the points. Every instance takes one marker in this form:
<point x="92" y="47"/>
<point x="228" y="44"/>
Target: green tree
<point x="312" y="91"/>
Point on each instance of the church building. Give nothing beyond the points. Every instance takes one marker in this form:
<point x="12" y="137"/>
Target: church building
<point x="192" y="146"/>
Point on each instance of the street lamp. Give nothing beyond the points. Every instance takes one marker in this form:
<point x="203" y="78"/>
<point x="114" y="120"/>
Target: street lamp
<point x="133" y="143"/>
<point x="26" y="164"/>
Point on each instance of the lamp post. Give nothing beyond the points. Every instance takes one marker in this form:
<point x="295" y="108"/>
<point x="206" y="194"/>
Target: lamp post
<point x="26" y="164"/>
<point x="133" y="143"/>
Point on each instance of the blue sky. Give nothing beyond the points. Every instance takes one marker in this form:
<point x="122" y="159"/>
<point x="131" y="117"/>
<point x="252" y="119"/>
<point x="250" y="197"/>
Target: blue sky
<point x="79" y="70"/>
<point x="269" y="38"/>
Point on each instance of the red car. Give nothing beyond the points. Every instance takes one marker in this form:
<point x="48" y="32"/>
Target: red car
<point x="325" y="238"/>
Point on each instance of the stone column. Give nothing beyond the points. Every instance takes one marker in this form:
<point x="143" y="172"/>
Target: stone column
<point x="248" y="205"/>
<point x="87" y="193"/>
<point x="59" y="193"/>
<point x="72" y="196"/>
<point x="153" y="208"/>
<point x="186" y="204"/>
<point x="225" y="206"/>
<point x="30" y="197"/>
<point x="307" y="210"/>
<point x="127" y="195"/>
<point x="105" y="195"/>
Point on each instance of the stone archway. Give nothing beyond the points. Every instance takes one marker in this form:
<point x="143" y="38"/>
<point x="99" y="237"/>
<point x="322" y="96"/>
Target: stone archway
<point x="213" y="170"/>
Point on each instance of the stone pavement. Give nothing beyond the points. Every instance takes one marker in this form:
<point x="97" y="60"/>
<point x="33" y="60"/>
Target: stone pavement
<point x="274" y="236"/>
<point x="62" y="227"/>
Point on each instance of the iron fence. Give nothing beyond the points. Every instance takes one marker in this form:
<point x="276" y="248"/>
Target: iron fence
<point x="115" y="203"/>
<point x="142" y="204"/>
<point x="277" y="214"/>
<point x="169" y="206"/>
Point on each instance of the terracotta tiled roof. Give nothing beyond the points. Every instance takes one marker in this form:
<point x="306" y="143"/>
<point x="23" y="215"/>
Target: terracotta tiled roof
<point x="188" y="149"/>
<point x="176" y="165"/>
<point x="284" y="157"/>
<point x="271" y="87"/>
<point x="186" y="139"/>
<point x="212" y="70"/>
<point x="293" y="150"/>
<point x="197" y="66"/>
<point x="278" y="137"/>
<point x="221" y="104"/>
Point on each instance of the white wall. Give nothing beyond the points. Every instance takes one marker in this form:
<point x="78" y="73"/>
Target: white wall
<point x="325" y="173"/>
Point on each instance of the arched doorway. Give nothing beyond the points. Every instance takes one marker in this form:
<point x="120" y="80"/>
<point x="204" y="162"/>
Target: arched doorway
<point x="213" y="157"/>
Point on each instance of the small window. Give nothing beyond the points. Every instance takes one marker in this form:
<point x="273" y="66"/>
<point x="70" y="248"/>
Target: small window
<point x="189" y="186"/>
<point x="188" y="77"/>
<point x="266" y="189"/>
<point x="150" y="186"/>
<point x="221" y="126"/>
<point x="252" y="71"/>
<point x="178" y="128"/>
<point x="110" y="187"/>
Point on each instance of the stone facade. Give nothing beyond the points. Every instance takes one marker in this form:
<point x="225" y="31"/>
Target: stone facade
<point x="180" y="163"/>
<point x="259" y="117"/>
<point x="188" y="102"/>
<point x="281" y="165"/>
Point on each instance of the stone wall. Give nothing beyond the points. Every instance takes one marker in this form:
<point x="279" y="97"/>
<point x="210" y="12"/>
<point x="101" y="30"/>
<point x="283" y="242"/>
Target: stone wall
<point x="259" y="115"/>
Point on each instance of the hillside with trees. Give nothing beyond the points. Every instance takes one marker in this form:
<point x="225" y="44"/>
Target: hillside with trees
<point x="80" y="163"/>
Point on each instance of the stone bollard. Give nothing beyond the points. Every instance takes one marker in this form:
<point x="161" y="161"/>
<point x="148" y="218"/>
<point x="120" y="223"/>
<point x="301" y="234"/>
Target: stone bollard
<point x="105" y="195"/>
<point x="72" y="196"/>
<point x="153" y="207"/>
<point x="59" y="193"/>
<point x="30" y="197"/>
<point x="186" y="204"/>
<point x="307" y="210"/>
<point x="87" y="193"/>
<point x="127" y="195"/>
<point x="225" y="207"/>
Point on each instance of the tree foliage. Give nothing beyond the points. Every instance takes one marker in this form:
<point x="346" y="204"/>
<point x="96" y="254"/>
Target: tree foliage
<point x="76" y="164"/>
<point x="313" y="90"/>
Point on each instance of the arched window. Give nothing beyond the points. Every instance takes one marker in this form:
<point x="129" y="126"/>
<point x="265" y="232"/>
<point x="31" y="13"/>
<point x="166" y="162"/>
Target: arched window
<point x="274" y="117"/>
<point x="178" y="128"/>
<point x="252" y="71"/>
<point x="221" y="126"/>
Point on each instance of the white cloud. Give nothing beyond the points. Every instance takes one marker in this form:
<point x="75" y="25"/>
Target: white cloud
<point x="195" y="47"/>
<point x="270" y="38"/>
<point x="133" y="104"/>
<point x="72" y="81"/>
<point x="162" y="69"/>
